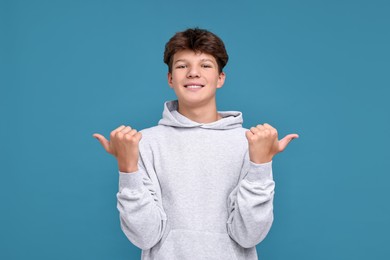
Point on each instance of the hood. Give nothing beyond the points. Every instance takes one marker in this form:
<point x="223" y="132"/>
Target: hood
<point x="171" y="117"/>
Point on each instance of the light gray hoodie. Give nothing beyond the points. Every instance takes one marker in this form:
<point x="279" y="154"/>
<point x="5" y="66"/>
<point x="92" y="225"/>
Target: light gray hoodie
<point x="196" y="195"/>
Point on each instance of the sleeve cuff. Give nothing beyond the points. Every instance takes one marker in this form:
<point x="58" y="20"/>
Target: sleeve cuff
<point x="130" y="180"/>
<point x="259" y="172"/>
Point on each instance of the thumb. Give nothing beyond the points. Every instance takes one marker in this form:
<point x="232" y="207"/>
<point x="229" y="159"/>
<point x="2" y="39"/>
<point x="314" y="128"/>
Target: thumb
<point x="286" y="140"/>
<point x="248" y="134"/>
<point x="103" y="141"/>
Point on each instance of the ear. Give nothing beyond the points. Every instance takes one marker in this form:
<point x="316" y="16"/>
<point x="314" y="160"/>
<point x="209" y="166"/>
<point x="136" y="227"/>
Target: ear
<point x="169" y="76"/>
<point x="221" y="79"/>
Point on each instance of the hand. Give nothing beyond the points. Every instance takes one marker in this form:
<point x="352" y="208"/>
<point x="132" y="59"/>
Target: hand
<point x="264" y="144"/>
<point x="123" y="145"/>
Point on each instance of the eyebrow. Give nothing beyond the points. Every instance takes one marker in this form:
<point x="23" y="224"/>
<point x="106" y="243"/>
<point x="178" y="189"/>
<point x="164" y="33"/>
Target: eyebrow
<point x="202" y="60"/>
<point x="208" y="60"/>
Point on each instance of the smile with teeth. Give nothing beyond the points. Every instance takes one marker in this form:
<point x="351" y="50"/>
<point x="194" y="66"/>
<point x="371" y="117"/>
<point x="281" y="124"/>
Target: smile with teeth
<point x="194" y="86"/>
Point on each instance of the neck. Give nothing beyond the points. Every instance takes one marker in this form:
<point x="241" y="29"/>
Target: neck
<point x="203" y="114"/>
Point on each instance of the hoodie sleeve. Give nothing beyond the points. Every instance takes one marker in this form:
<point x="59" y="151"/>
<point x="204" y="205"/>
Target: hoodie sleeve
<point x="140" y="208"/>
<point x="250" y="205"/>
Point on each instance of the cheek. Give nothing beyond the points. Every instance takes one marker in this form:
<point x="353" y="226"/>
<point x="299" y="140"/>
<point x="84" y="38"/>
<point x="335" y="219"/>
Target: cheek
<point x="175" y="76"/>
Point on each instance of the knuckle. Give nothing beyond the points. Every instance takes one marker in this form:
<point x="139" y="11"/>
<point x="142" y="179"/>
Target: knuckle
<point x="133" y="140"/>
<point x="112" y="134"/>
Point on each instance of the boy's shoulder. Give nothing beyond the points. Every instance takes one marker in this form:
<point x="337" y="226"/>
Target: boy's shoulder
<point x="151" y="130"/>
<point x="154" y="133"/>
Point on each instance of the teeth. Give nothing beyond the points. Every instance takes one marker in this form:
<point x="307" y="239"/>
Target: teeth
<point x="194" y="86"/>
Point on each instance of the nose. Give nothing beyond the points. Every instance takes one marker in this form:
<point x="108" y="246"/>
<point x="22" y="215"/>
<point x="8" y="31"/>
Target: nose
<point x="193" y="72"/>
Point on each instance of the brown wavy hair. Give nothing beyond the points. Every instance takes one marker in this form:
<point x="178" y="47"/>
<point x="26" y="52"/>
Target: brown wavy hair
<point x="198" y="40"/>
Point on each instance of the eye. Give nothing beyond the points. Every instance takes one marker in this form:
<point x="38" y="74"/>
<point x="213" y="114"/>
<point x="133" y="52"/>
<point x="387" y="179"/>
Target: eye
<point x="206" y="66"/>
<point x="181" y="66"/>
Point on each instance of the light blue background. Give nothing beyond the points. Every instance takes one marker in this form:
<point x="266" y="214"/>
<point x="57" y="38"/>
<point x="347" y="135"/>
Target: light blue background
<point x="72" y="68"/>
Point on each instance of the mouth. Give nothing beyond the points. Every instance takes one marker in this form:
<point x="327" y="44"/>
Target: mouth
<point x="193" y="86"/>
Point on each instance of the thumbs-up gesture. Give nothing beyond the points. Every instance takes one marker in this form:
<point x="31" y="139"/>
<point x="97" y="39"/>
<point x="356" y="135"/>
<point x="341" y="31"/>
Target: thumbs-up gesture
<point x="123" y="145"/>
<point x="264" y="144"/>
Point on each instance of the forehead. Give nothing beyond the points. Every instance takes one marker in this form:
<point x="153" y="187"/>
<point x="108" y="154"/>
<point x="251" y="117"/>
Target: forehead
<point x="192" y="56"/>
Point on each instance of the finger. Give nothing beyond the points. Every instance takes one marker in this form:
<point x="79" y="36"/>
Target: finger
<point x="272" y="130"/>
<point x="126" y="130"/>
<point x="138" y="136"/>
<point x="260" y="127"/>
<point x="119" y="128"/>
<point x="133" y="137"/>
<point x="286" y="140"/>
<point x="268" y="126"/>
<point x="103" y="141"/>
<point x="113" y="132"/>
<point x="248" y="134"/>
<point x="254" y="130"/>
<point x="131" y="133"/>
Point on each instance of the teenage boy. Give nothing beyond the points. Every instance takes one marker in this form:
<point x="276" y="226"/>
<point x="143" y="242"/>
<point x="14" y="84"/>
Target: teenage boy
<point x="198" y="185"/>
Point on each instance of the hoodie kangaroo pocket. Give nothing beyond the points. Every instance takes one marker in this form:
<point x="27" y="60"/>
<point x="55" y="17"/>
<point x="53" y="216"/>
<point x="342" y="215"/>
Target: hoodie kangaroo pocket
<point x="189" y="244"/>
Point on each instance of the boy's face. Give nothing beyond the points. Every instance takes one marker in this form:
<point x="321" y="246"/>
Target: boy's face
<point x="195" y="78"/>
